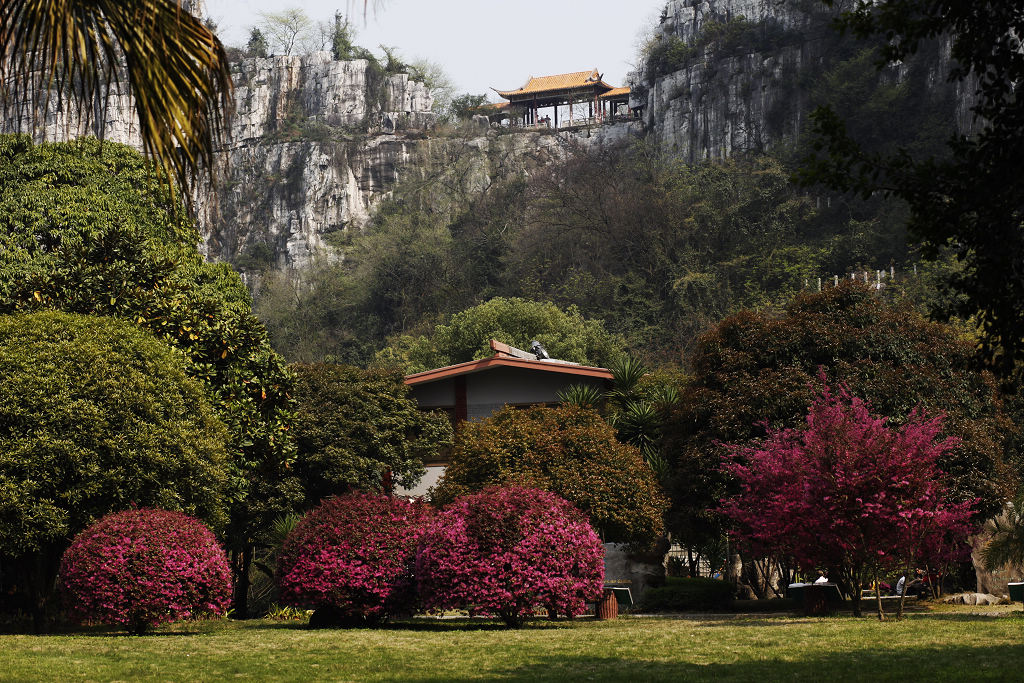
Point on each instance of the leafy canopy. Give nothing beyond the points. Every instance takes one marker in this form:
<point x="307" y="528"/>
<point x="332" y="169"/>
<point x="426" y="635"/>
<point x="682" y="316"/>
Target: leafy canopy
<point x="569" y="451"/>
<point x="756" y="371"/>
<point x="848" y="492"/>
<point x="86" y="232"/>
<point x="566" y="334"/>
<point x="353" y="426"/>
<point x="98" y="415"/>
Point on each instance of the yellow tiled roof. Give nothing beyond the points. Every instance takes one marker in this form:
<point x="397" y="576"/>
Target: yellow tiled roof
<point x="616" y="92"/>
<point x="578" y="79"/>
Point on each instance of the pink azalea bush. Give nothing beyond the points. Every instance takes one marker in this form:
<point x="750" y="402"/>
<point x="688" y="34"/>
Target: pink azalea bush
<point x="506" y="551"/>
<point x="353" y="555"/>
<point x="849" y="492"/>
<point x="143" y="567"/>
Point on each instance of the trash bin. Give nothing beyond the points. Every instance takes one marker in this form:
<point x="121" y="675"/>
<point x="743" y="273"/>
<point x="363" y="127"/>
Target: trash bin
<point x="821" y="598"/>
<point x="1016" y="592"/>
<point x="608" y="606"/>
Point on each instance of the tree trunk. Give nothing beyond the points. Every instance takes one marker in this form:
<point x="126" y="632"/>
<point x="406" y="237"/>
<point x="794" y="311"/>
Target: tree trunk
<point x="903" y="593"/>
<point x="878" y="597"/>
<point x="241" y="563"/>
<point x="849" y="582"/>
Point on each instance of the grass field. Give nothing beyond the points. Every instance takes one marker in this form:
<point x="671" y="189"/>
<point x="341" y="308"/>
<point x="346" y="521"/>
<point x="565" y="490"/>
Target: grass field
<point x="950" y="644"/>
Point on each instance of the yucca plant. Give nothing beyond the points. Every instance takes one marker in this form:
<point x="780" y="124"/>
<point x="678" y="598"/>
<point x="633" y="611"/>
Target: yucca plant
<point x="627" y="372"/>
<point x="81" y="51"/>
<point x="581" y="396"/>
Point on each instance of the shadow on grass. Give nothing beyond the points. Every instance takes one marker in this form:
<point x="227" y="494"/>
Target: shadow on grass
<point x="426" y="625"/>
<point x="953" y="662"/>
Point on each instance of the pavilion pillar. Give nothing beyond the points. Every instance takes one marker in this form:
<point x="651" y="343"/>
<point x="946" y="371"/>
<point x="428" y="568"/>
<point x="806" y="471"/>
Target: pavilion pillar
<point x="556" y="116"/>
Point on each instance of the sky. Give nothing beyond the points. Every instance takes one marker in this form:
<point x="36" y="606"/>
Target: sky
<point x="481" y="44"/>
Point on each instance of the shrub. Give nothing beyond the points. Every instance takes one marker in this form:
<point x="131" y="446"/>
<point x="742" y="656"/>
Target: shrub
<point x="353" y="426"/>
<point x="84" y="229"/>
<point x="506" y="551"/>
<point x="95" y="416"/>
<point x="688" y="595"/>
<point x="353" y="555"/>
<point x="569" y="451"/>
<point x="98" y="415"/>
<point x="144" y="567"/>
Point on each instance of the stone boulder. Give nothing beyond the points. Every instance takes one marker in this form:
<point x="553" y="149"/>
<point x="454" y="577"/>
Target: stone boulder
<point x="972" y="599"/>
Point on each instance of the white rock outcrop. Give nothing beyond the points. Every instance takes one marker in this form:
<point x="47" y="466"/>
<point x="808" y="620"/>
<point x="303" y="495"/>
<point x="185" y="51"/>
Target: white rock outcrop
<point x="312" y="145"/>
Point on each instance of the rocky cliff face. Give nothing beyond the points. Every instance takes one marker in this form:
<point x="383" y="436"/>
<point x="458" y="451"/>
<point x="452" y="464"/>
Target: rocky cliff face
<point x="313" y="144"/>
<point x="732" y="76"/>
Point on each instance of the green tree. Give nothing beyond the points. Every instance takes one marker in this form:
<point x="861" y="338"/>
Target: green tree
<point x="175" y="68"/>
<point x="257" y="45"/>
<point x="85" y="232"/>
<point x="359" y="430"/>
<point x="570" y="451"/>
<point x="465" y="105"/>
<point x="342" y="39"/>
<point x="566" y="335"/>
<point x="97" y="415"/>
<point x="968" y="199"/>
<point x="760" y="371"/>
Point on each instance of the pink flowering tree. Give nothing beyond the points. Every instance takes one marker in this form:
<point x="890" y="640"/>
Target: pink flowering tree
<point x="351" y="557"/>
<point x="143" y="567"/>
<point x="848" y="492"/>
<point x="507" y="551"/>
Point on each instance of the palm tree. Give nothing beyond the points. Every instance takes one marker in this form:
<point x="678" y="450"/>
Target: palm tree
<point x="1006" y="545"/>
<point x="175" y="67"/>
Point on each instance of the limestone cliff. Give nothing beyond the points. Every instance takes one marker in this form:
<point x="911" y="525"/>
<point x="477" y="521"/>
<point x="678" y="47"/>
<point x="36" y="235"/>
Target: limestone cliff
<point x="312" y="145"/>
<point x="731" y="76"/>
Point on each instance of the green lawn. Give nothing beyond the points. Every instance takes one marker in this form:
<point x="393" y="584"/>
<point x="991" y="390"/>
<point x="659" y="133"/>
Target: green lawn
<point x="940" y="645"/>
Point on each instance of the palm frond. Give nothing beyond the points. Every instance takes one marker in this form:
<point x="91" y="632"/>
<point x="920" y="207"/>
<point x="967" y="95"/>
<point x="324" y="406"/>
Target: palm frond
<point x="1006" y="545"/>
<point x="82" y="50"/>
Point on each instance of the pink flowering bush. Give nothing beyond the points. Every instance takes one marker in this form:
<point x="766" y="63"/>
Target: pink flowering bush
<point x="352" y="556"/>
<point x="144" y="567"/>
<point x="506" y="551"/>
<point x="850" y="492"/>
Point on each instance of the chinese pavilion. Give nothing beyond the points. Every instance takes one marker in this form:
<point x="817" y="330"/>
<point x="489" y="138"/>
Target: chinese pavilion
<point x="582" y="91"/>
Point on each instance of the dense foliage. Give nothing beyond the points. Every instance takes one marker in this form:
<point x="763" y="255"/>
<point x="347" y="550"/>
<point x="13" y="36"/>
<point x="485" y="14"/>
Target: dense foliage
<point x="84" y="230"/>
<point x="566" y="335"/>
<point x="507" y="551"/>
<point x="359" y="429"/>
<point x="143" y="567"/>
<point x="354" y="555"/>
<point x="966" y="199"/>
<point x="757" y="371"/>
<point x="850" y="493"/>
<point x="569" y="451"/>
<point x="96" y="415"/>
<point x="656" y="249"/>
